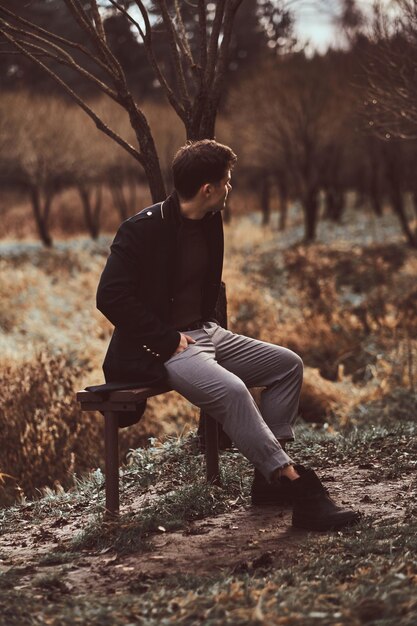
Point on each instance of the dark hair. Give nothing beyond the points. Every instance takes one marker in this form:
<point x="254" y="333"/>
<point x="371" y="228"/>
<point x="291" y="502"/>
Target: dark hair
<point x="200" y="162"/>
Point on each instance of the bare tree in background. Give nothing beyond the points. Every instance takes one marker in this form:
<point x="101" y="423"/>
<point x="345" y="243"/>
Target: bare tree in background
<point x="303" y="113"/>
<point x="89" y="172"/>
<point x="199" y="78"/>
<point x="384" y="47"/>
<point x="391" y="69"/>
<point x="39" y="152"/>
<point x="390" y="103"/>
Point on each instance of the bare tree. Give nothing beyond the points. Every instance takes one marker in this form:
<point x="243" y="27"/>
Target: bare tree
<point x="38" y="152"/>
<point x="396" y="166"/>
<point x="121" y="173"/>
<point x="390" y="69"/>
<point x="374" y="171"/>
<point x="390" y="99"/>
<point x="199" y="78"/>
<point x="92" y="157"/>
<point x="298" y="100"/>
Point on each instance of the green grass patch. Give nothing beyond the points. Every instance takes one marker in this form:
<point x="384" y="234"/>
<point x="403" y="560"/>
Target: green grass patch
<point x="170" y="476"/>
<point x="364" y="575"/>
<point x="393" y="446"/>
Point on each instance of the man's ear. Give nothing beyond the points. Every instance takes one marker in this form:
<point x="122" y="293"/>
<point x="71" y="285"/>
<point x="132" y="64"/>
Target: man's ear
<point x="206" y="189"/>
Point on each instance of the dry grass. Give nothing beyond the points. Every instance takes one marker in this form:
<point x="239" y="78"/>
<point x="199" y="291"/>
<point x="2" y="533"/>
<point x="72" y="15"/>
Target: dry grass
<point x="347" y="307"/>
<point x="66" y="219"/>
<point x="348" y="310"/>
<point x="42" y="435"/>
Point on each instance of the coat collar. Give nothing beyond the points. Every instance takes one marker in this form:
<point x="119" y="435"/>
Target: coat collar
<point x="171" y="210"/>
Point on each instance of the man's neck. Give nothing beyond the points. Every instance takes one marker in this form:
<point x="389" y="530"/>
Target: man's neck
<point x="192" y="210"/>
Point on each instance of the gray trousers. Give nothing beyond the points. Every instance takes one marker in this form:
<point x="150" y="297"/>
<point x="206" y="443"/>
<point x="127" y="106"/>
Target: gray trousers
<point x="215" y="373"/>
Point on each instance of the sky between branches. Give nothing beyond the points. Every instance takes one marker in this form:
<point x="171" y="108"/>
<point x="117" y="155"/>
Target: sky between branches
<point x="315" y="20"/>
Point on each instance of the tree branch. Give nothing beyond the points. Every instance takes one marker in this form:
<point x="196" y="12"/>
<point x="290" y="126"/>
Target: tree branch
<point x="58" y="39"/>
<point x="144" y="13"/>
<point x="202" y="21"/>
<point x="102" y="48"/>
<point x="128" y="16"/>
<point x="214" y="42"/>
<point x="148" y="43"/>
<point x="66" y="58"/>
<point x="181" y="36"/>
<point x="98" y="21"/>
<point x="175" y="55"/>
<point x="223" y="56"/>
<point x="83" y="105"/>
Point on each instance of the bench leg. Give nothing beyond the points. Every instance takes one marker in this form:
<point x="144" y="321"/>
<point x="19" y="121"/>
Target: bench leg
<point x="212" y="450"/>
<point x="111" y="452"/>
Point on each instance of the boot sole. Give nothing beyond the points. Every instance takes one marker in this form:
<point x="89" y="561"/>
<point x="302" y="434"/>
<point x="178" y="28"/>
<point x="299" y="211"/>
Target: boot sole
<point x="322" y="526"/>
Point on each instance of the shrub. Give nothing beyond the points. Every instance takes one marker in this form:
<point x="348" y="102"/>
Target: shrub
<point x="42" y="436"/>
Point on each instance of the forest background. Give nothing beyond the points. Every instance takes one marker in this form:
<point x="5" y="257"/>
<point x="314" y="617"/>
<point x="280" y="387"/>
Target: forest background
<point x="321" y="227"/>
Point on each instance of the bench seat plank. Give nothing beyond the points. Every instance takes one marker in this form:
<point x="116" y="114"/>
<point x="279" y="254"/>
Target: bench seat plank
<point x="127" y="395"/>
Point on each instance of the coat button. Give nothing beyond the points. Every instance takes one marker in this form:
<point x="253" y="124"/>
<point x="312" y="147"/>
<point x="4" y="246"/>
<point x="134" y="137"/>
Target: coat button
<point x="149" y="213"/>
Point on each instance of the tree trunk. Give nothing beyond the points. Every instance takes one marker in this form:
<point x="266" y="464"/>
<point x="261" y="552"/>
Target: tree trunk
<point x="208" y="126"/>
<point x="202" y="122"/>
<point x="119" y="200"/>
<point x="283" y="212"/>
<point x="334" y="201"/>
<point x="91" y="215"/>
<point x="154" y="176"/>
<point x="204" y="130"/>
<point x="283" y="202"/>
<point x="329" y="201"/>
<point x="150" y="159"/>
<point x="397" y="200"/>
<point x="394" y="175"/>
<point x="375" y="176"/>
<point x="311" y="210"/>
<point x="376" y="200"/>
<point x="360" y="200"/>
<point x="41" y="214"/>
<point x="265" y="200"/>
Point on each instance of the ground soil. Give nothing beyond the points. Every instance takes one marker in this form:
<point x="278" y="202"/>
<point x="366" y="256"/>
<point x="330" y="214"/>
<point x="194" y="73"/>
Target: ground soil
<point x="238" y="541"/>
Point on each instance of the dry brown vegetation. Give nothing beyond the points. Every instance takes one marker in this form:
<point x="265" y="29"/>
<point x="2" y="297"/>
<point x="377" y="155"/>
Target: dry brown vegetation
<point x="347" y="307"/>
<point x="53" y="341"/>
<point x="76" y="179"/>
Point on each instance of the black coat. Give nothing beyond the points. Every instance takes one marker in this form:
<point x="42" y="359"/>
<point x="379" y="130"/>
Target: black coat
<point x="136" y="291"/>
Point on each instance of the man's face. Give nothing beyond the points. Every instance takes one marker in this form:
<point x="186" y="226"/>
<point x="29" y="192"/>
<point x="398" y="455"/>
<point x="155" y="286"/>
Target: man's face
<point x="220" y="192"/>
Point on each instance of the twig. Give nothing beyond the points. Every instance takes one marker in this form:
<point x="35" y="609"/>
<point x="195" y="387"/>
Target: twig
<point x="61" y="56"/>
<point x="182" y="85"/>
<point x="58" y="39"/>
<point x="98" y="122"/>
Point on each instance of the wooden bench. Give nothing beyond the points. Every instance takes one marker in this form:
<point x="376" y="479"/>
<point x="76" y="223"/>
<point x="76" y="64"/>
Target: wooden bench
<point x="129" y="401"/>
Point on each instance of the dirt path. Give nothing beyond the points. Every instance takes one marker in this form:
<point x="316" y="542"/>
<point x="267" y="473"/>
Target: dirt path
<point x="244" y="539"/>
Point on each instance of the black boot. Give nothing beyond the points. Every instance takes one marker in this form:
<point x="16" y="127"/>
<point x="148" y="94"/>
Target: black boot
<point x="277" y="493"/>
<point x="313" y="508"/>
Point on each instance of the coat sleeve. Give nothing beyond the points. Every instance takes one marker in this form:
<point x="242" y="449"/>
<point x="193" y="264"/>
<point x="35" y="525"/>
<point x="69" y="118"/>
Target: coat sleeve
<point x="118" y="294"/>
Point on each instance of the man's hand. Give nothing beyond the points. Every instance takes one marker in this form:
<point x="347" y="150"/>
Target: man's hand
<point x="183" y="344"/>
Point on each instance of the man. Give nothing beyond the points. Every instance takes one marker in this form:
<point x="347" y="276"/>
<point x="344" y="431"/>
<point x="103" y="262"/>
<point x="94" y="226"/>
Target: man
<point x="159" y="289"/>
